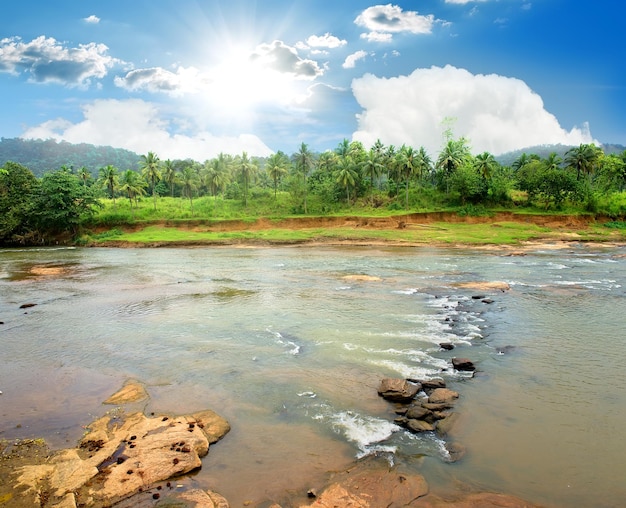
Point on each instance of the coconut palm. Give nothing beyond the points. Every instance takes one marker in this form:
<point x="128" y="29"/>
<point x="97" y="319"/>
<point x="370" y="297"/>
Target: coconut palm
<point x="109" y="179"/>
<point x="189" y="181"/>
<point x="169" y="175"/>
<point x="582" y="158"/>
<point x="304" y="162"/>
<point x="372" y="165"/>
<point x="485" y="163"/>
<point x="454" y="153"/>
<point x="327" y="161"/>
<point x="133" y="185"/>
<point x="277" y="165"/>
<point x="407" y="166"/>
<point x="247" y="169"/>
<point x="346" y="174"/>
<point x="151" y="170"/>
<point x="84" y="174"/>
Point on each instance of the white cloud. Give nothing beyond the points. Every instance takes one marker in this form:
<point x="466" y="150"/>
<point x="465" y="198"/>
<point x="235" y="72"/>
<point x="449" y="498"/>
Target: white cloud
<point x="377" y="37"/>
<point x="325" y="41"/>
<point x="93" y="19"/>
<point x="282" y="58"/>
<point x="137" y="125"/>
<point x="157" y="79"/>
<point x="47" y="60"/>
<point x="496" y="113"/>
<point x="389" y="19"/>
<point x="352" y="59"/>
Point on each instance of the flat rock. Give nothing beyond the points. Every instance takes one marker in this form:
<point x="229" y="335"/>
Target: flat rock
<point x="372" y="489"/>
<point x="362" y="278"/>
<point x="442" y="396"/>
<point x="132" y="391"/>
<point x="119" y="458"/>
<point x="483" y="285"/>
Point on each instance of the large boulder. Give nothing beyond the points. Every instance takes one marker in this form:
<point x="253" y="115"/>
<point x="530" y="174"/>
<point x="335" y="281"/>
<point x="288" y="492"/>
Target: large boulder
<point x="463" y="364"/>
<point x="117" y="458"/>
<point x="442" y="396"/>
<point x="398" y="390"/>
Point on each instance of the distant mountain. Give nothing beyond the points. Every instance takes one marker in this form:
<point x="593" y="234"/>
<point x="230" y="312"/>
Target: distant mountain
<point x="543" y="151"/>
<point x="43" y="156"/>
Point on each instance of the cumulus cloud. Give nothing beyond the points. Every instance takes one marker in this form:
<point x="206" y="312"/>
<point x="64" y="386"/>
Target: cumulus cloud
<point x="93" y="19"/>
<point x="282" y="58"/>
<point x="463" y="2"/>
<point x="138" y="126"/>
<point x="352" y="59"/>
<point x="157" y="79"/>
<point x="46" y="60"/>
<point x="389" y="19"/>
<point x="325" y="41"/>
<point x="377" y="37"/>
<point x="496" y="113"/>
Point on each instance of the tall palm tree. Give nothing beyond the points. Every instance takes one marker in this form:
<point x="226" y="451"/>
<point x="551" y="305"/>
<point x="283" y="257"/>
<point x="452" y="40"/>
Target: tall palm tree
<point x="169" y="175"/>
<point x="109" y="179"/>
<point x="373" y="166"/>
<point x="406" y="160"/>
<point x="189" y="181"/>
<point x="247" y="169"/>
<point x="84" y="174"/>
<point x="423" y="163"/>
<point x="454" y="153"/>
<point x="485" y="163"/>
<point x="327" y="161"/>
<point x="553" y="161"/>
<point x="582" y="158"/>
<point x="134" y="185"/>
<point x="346" y="174"/>
<point x="304" y="163"/>
<point x="151" y="170"/>
<point x="277" y="165"/>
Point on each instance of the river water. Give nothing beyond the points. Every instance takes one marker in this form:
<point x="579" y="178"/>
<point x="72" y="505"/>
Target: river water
<point x="289" y="346"/>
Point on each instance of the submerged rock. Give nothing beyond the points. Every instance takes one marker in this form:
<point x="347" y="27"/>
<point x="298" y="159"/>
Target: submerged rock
<point x="463" y="364"/>
<point x="132" y="391"/>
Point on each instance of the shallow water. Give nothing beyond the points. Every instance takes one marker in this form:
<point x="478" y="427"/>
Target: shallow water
<point x="290" y="349"/>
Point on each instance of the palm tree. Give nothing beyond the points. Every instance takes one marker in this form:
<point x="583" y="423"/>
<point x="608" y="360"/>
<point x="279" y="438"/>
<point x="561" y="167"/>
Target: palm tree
<point x="346" y="174"/>
<point x="134" y="185"/>
<point x="423" y="163"/>
<point x="327" y="161"/>
<point x="304" y="163"/>
<point x="108" y="177"/>
<point x="277" y="167"/>
<point x="247" y="169"/>
<point x="373" y="166"/>
<point x="406" y="160"/>
<point x="84" y="174"/>
<point x="454" y="153"/>
<point x="169" y="175"/>
<point x="189" y="180"/>
<point x="553" y="161"/>
<point x="485" y="164"/>
<point x="151" y="170"/>
<point x="582" y="158"/>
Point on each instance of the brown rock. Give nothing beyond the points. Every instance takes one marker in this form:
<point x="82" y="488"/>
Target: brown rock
<point x="442" y="395"/>
<point x="463" y="364"/>
<point x="397" y="390"/>
<point x="132" y="391"/>
<point x="419" y="426"/>
<point x="372" y="489"/>
<point x="446" y="426"/>
<point x="456" y="451"/>
<point x="501" y="286"/>
<point x="418" y="413"/>
<point x="432" y="384"/>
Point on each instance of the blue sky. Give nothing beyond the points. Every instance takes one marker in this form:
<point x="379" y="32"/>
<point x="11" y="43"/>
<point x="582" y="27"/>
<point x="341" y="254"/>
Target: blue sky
<point x="192" y="78"/>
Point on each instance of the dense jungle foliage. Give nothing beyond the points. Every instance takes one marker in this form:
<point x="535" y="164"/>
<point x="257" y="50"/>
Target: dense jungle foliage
<point x="351" y="179"/>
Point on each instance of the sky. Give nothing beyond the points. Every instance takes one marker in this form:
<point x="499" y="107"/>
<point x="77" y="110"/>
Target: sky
<point x="193" y="78"/>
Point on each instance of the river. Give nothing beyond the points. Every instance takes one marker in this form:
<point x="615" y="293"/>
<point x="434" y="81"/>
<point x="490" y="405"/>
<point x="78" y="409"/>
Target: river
<point x="289" y="346"/>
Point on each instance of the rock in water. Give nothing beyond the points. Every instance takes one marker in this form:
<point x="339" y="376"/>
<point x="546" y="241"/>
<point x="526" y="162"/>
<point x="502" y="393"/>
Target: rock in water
<point x="397" y="390"/>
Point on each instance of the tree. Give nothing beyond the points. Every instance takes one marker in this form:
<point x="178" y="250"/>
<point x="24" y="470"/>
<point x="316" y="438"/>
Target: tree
<point x="277" y="165"/>
<point x="453" y="155"/>
<point x="304" y="163"/>
<point x="217" y="174"/>
<point x="17" y="188"/>
<point x="109" y="179"/>
<point x="247" y="170"/>
<point x="406" y="165"/>
<point x="373" y="166"/>
<point x="189" y="180"/>
<point x="583" y="159"/>
<point x="346" y="174"/>
<point x="485" y="164"/>
<point x="133" y="185"/>
<point x="62" y="203"/>
<point x="169" y="175"/>
<point x="84" y="174"/>
<point x="151" y="170"/>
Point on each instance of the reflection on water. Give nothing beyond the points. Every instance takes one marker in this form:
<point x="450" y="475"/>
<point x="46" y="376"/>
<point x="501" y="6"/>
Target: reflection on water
<point x="289" y="344"/>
